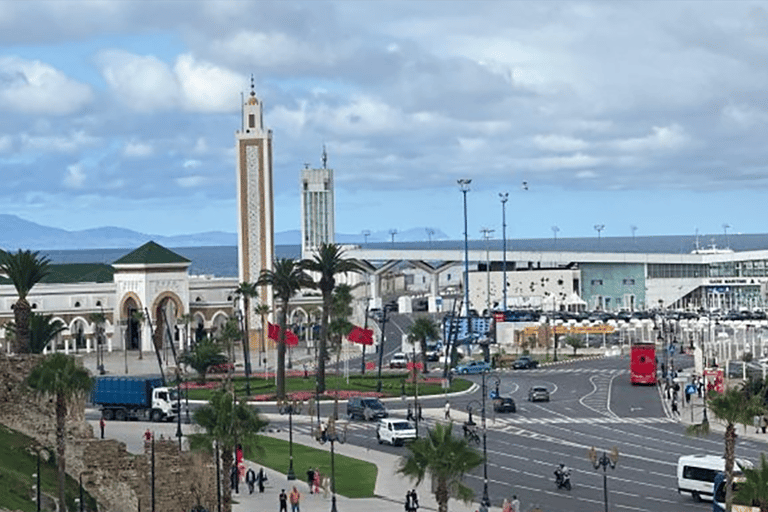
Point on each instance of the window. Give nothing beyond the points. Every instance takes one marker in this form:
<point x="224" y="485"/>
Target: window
<point x="629" y="282"/>
<point x="703" y="474"/>
<point x="597" y="282"/>
<point x="251" y="121"/>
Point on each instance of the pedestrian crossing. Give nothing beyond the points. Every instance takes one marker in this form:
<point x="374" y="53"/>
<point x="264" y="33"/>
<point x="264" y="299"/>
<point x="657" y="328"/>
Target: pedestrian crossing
<point x="595" y="420"/>
<point x="560" y="371"/>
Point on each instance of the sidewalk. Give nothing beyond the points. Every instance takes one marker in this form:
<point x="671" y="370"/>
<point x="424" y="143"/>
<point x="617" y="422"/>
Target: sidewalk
<point x="693" y="413"/>
<point x="390" y="487"/>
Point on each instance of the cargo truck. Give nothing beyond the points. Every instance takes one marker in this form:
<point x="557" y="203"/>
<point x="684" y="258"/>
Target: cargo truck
<point x="141" y="398"/>
<point x="642" y="363"/>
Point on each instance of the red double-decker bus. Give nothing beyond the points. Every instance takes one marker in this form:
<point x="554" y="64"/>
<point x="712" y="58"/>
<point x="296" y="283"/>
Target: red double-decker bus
<point x="642" y="363"/>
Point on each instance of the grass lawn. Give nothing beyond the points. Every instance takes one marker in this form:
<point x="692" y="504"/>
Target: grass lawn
<point x="18" y="462"/>
<point x="354" y="478"/>
<point x="392" y="385"/>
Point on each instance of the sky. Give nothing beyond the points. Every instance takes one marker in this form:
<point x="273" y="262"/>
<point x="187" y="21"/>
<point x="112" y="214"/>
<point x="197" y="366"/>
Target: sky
<point x="640" y="117"/>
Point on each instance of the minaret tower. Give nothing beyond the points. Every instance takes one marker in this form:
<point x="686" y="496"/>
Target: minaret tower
<point x="317" y="208"/>
<point x="255" y="205"/>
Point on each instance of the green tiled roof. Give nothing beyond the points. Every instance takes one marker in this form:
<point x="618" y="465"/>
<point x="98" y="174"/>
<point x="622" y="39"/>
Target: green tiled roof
<point x="151" y="253"/>
<point x="80" y="273"/>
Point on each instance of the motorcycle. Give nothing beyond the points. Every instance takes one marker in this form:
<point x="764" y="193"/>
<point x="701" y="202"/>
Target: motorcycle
<point x="563" y="479"/>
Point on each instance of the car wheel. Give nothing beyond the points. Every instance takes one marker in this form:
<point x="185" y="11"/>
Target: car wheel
<point x="108" y="414"/>
<point x="120" y="415"/>
<point x="156" y="416"/>
<point x="378" y="437"/>
<point x="696" y="496"/>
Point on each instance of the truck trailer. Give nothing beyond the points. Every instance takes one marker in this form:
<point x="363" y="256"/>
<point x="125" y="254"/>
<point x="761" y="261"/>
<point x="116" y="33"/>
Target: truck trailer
<point x="141" y="398"/>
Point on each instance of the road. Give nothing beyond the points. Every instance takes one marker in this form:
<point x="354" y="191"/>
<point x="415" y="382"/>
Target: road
<point x="592" y="404"/>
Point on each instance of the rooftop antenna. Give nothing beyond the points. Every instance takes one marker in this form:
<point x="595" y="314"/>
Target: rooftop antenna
<point x="325" y="158"/>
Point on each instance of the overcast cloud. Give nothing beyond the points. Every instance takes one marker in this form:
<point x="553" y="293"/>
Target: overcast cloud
<point x="647" y="114"/>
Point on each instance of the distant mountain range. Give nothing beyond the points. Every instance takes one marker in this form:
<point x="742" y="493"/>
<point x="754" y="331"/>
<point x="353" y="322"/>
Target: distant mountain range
<point x="17" y="233"/>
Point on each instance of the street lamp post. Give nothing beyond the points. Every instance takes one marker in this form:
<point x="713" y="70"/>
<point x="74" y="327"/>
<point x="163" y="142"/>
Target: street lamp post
<point x="604" y="461"/>
<point x="504" y="196"/>
<point x="37" y="481"/>
<point x="487" y="236"/>
<point x="333" y="436"/>
<point x="464" y="187"/>
<point x="486" y="499"/>
<point x="178" y="406"/>
<point x="381" y="346"/>
<point x="289" y="408"/>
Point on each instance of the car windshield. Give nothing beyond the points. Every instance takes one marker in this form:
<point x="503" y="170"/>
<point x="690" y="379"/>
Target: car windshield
<point x="402" y="425"/>
<point x="540" y="390"/>
<point x="372" y="404"/>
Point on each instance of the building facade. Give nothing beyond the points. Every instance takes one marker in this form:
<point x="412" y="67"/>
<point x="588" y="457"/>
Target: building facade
<point x="317" y="208"/>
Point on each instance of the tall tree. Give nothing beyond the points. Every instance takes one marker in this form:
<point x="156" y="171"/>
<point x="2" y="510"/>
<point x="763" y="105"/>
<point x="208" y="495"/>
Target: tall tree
<point x="446" y="458"/>
<point x="262" y="310"/>
<point x="25" y="269"/>
<point x="754" y="488"/>
<point x="287" y="277"/>
<point x="227" y="337"/>
<point x="327" y="262"/>
<point x="339" y="327"/>
<point x="734" y="406"/>
<point x="247" y="291"/>
<point x="423" y="329"/>
<point x="228" y="423"/>
<point x="61" y="377"/>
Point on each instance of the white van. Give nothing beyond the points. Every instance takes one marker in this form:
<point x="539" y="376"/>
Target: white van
<point x="395" y="432"/>
<point x="696" y="473"/>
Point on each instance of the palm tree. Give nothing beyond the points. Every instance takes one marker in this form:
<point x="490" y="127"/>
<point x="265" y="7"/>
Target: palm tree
<point x="247" y="291"/>
<point x="286" y="278"/>
<point x="228" y="423"/>
<point x="575" y="342"/>
<point x="422" y="329"/>
<point x="339" y="326"/>
<point x="61" y="377"/>
<point x="327" y="262"/>
<point x="42" y="330"/>
<point x="201" y="358"/>
<point x="262" y="310"/>
<point x="25" y="269"/>
<point x="734" y="406"/>
<point x="227" y="336"/>
<point x="754" y="488"/>
<point x="446" y="458"/>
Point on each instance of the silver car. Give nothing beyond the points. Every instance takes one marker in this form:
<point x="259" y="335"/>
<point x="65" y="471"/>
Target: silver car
<point x="538" y="394"/>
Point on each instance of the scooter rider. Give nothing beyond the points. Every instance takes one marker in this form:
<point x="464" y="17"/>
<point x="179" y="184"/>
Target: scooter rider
<point x="562" y="476"/>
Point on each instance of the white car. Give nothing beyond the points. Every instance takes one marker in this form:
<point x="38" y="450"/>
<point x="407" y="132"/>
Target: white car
<point x="399" y="360"/>
<point x="395" y="432"/>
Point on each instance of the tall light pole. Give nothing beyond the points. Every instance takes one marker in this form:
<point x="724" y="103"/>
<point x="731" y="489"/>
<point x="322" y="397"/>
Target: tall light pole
<point x="504" y="196"/>
<point x="392" y="233"/>
<point x="464" y="187"/>
<point x="604" y="461"/>
<point x="366" y="234"/>
<point x="289" y="408"/>
<point x="725" y="231"/>
<point x="486" y="499"/>
<point x="555" y="230"/>
<point x="430" y="232"/>
<point x="487" y="236"/>
<point x="332" y="435"/>
<point x="599" y="228"/>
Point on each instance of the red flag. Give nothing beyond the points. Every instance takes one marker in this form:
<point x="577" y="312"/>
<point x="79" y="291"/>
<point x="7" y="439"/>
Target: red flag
<point x="273" y="332"/>
<point x="370" y="365"/>
<point x="290" y="338"/>
<point x="419" y="366"/>
<point x="360" y="335"/>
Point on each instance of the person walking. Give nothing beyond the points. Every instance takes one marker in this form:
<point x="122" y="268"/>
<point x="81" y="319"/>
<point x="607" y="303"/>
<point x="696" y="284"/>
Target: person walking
<point x="515" y="503"/>
<point x="295" y="498"/>
<point x="310" y="479"/>
<point x="506" y="506"/>
<point x="448" y="410"/>
<point x="674" y="408"/>
<point x="260" y="479"/>
<point x="250" y="479"/>
<point x="283" y="501"/>
<point x="102" y="424"/>
<point x="316" y="481"/>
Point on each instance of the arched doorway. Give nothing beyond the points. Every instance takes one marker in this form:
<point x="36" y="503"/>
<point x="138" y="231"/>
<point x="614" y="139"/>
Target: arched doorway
<point x="166" y="312"/>
<point x="131" y="313"/>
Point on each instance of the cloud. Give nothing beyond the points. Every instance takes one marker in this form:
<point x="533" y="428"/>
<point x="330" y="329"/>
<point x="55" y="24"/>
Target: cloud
<point x="192" y="181"/>
<point x="5" y="143"/>
<point x="73" y="142"/>
<point x="134" y="149"/>
<point x="562" y="143"/>
<point x="142" y="83"/>
<point x="206" y="87"/>
<point x="75" y="176"/>
<point x="662" y="138"/>
<point x="31" y="86"/>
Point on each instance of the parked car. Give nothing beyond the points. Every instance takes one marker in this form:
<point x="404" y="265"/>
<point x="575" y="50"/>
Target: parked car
<point x="524" y="363"/>
<point x="366" y="408"/>
<point x="395" y="432"/>
<point x="399" y="360"/>
<point x="472" y="367"/>
<point x="538" y="394"/>
<point x="504" y="404"/>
